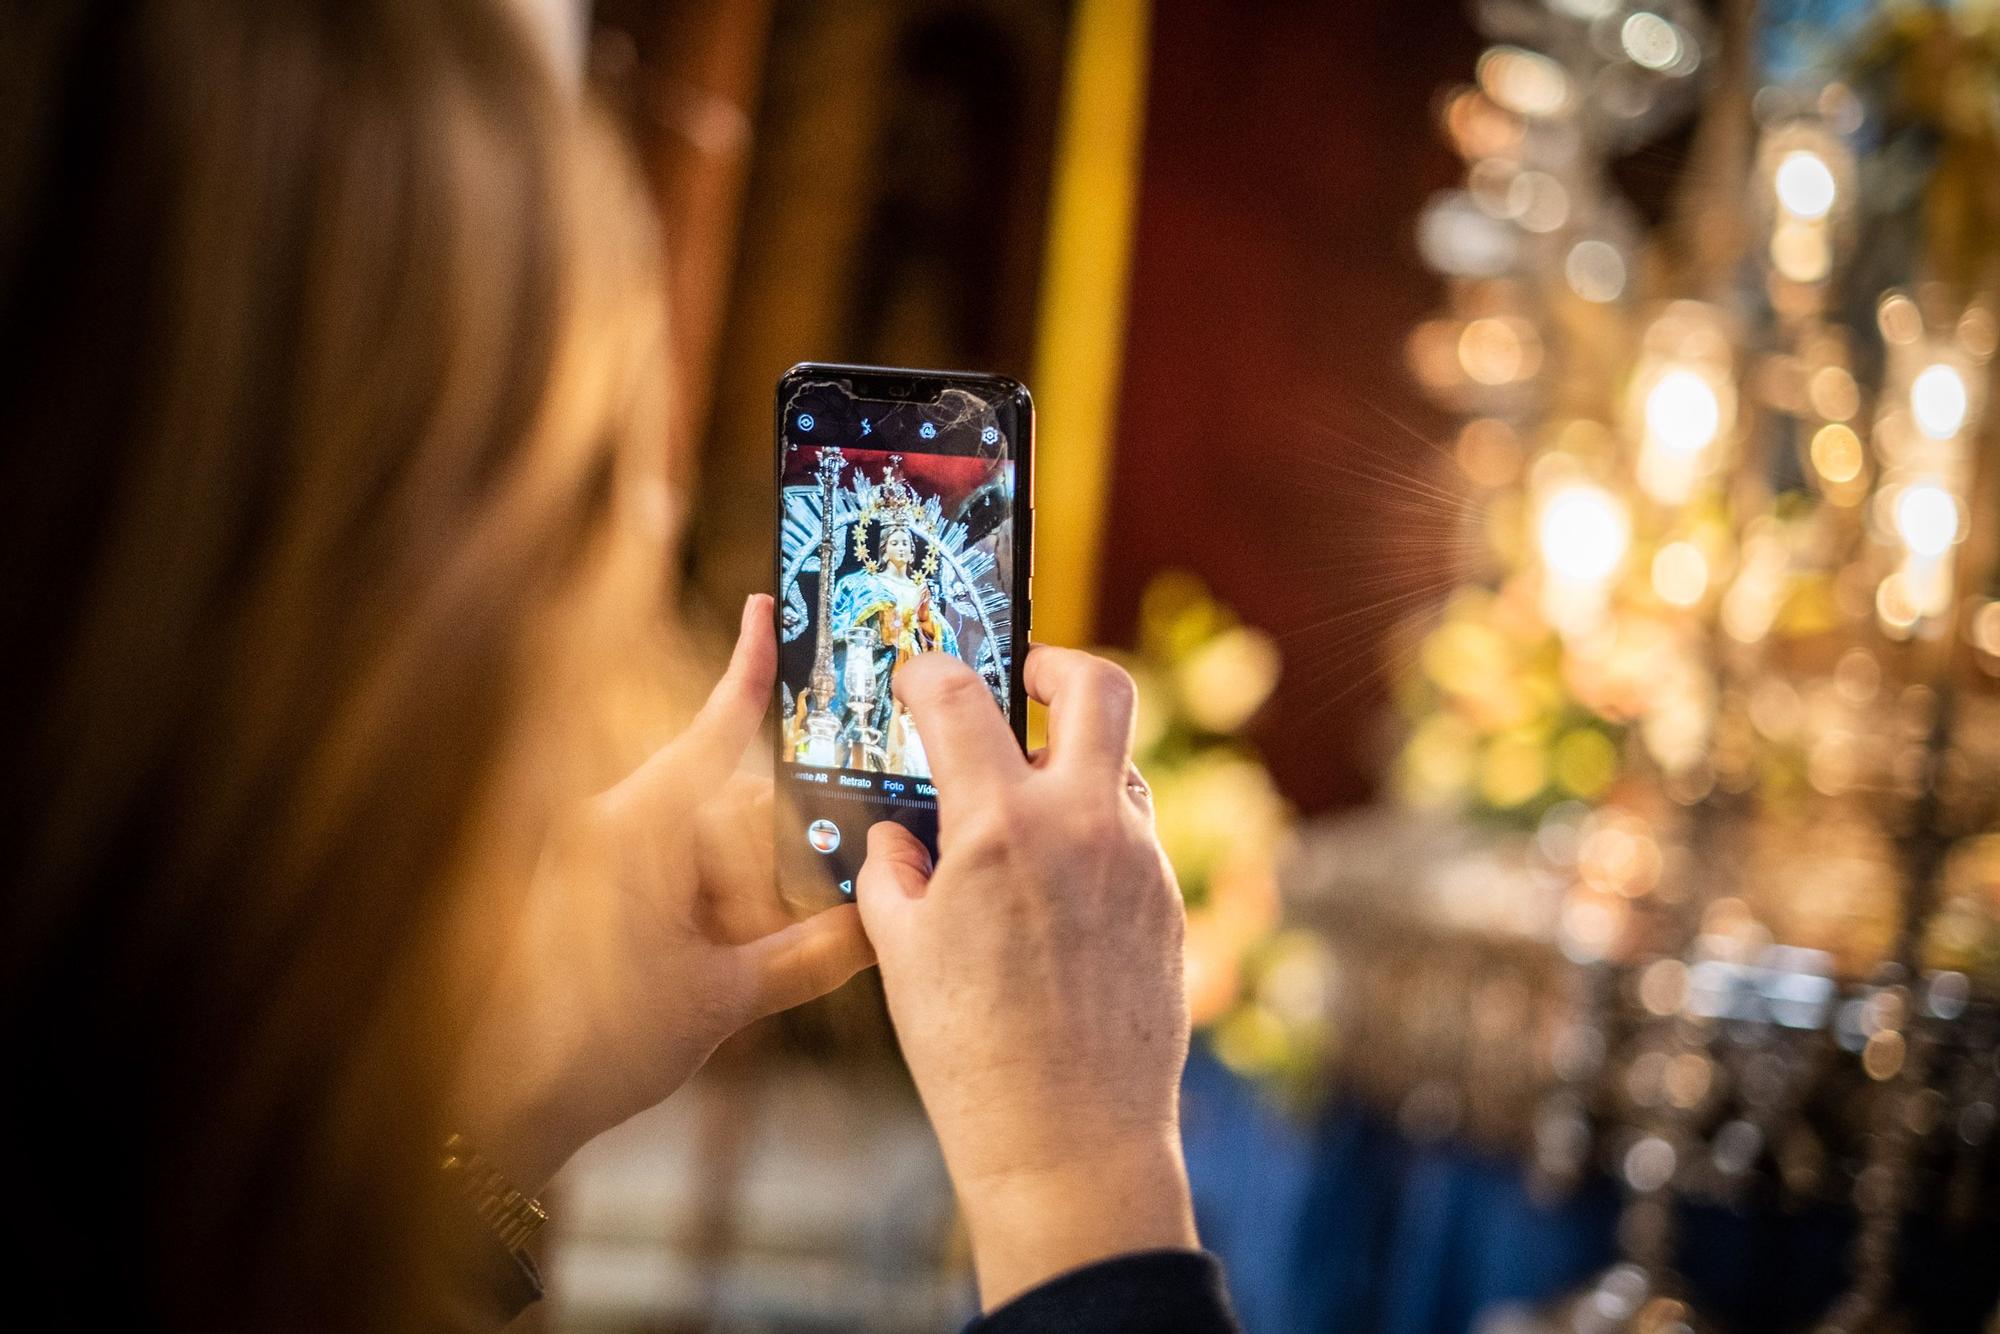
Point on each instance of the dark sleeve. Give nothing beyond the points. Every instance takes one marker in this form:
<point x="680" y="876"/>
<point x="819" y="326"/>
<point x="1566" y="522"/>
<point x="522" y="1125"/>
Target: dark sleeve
<point x="1151" y="1292"/>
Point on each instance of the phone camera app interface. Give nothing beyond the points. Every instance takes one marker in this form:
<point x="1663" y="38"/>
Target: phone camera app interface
<point x="896" y="539"/>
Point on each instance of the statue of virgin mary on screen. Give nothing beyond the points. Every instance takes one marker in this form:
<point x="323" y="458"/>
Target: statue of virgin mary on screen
<point x="884" y="614"/>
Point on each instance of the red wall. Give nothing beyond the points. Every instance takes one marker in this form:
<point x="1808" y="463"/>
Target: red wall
<point x="1288" y="149"/>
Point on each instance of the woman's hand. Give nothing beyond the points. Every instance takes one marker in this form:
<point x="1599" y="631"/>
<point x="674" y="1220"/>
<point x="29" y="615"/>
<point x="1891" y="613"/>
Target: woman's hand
<point x="1035" y="976"/>
<point x="652" y="932"/>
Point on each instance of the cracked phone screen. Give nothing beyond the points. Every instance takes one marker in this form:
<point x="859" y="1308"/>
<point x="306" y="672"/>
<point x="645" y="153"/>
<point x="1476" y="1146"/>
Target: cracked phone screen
<point x="896" y="536"/>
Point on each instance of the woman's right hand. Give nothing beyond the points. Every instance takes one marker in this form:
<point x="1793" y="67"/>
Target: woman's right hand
<point x="1035" y="975"/>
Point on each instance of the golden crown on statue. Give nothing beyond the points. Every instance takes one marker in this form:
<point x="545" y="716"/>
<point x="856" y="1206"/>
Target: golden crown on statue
<point x="894" y="504"/>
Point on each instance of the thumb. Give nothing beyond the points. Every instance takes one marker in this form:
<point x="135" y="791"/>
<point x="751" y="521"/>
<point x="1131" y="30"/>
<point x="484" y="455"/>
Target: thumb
<point x="807" y="959"/>
<point x="895" y="875"/>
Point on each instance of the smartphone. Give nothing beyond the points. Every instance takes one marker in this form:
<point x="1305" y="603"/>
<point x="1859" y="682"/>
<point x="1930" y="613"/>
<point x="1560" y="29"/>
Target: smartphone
<point x="905" y="525"/>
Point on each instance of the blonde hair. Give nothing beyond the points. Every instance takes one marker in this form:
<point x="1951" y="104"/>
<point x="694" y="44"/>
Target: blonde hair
<point x="331" y="399"/>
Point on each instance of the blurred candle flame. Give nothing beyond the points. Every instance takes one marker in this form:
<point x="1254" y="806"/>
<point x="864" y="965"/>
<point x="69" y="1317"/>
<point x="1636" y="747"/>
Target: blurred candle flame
<point x="1583" y="533"/>
<point x="1926" y="519"/>
<point x="1938" y="400"/>
<point x="1805" y="185"/>
<point x="1682" y="412"/>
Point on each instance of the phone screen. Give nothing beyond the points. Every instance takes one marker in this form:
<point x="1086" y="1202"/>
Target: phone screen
<point x="902" y="530"/>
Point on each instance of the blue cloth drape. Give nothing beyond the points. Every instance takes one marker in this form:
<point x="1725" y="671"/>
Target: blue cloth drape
<point x="1337" y="1223"/>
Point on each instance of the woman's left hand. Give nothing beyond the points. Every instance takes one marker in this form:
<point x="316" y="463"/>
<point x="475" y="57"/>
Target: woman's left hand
<point x="652" y="932"/>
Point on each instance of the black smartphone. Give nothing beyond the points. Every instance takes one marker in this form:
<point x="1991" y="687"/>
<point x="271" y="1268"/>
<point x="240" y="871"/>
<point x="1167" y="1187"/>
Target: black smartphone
<point x="905" y="524"/>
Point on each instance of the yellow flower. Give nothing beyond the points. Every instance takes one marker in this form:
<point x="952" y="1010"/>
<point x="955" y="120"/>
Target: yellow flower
<point x="1177" y="615"/>
<point x="1513" y="771"/>
<point x="1465" y="657"/>
<point x="1585" y="762"/>
<point x="1223" y="682"/>
<point x="1212" y="809"/>
<point x="1439" y="761"/>
<point x="1253" y="1041"/>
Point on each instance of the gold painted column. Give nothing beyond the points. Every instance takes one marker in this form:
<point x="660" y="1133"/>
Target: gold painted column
<point x="1080" y="333"/>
